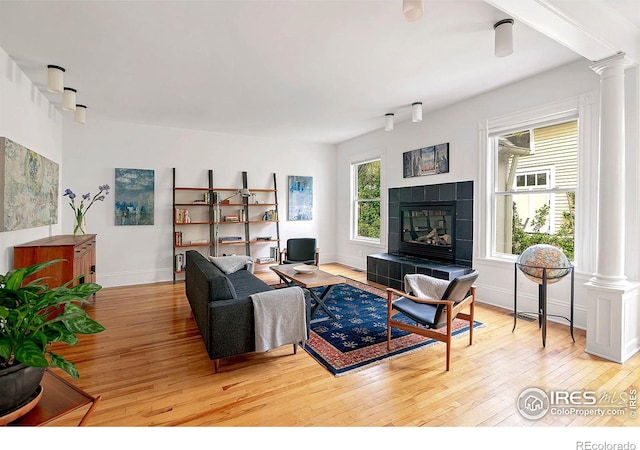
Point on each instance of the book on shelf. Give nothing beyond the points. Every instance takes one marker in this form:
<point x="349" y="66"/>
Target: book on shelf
<point x="265" y="260"/>
<point x="179" y="262"/>
<point x="231" y="219"/>
<point x="270" y="215"/>
<point x="198" y="241"/>
<point x="229" y="238"/>
<point x="182" y="215"/>
<point x="275" y="253"/>
<point x="178" y="238"/>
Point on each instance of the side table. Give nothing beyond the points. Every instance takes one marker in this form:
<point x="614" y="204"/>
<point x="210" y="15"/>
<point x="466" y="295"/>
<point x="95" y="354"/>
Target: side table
<point x="542" y="300"/>
<point x="59" y="397"/>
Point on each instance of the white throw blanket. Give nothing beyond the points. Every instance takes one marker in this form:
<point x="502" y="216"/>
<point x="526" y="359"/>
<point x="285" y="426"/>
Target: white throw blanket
<point x="230" y="264"/>
<point x="280" y="318"/>
<point x="425" y="286"/>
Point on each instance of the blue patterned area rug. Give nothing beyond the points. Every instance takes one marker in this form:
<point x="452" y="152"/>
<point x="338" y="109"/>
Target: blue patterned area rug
<point x="357" y="339"/>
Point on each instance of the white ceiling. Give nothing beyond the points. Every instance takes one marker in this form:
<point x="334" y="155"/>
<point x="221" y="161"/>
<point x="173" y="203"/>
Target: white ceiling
<point x="320" y="71"/>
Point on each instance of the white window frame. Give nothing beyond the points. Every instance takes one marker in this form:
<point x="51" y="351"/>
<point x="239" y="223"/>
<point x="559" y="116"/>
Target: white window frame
<point x="580" y="108"/>
<point x="550" y="173"/>
<point x="355" y="201"/>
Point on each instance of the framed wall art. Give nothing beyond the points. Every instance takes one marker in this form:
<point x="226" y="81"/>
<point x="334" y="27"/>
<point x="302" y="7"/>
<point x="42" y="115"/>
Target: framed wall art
<point x="134" y="197"/>
<point x="29" y="188"/>
<point x="426" y="161"/>
<point x="300" y="192"/>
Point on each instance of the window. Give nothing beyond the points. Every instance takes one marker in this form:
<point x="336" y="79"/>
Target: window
<point x="366" y="200"/>
<point x="535" y="182"/>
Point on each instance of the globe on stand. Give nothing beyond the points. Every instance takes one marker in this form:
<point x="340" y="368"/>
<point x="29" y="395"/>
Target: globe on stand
<point x="540" y="257"/>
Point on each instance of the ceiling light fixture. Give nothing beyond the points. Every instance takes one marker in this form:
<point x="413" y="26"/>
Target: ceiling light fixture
<point x="55" y="78"/>
<point x="388" y="122"/>
<point x="412" y="10"/>
<point x="504" y="37"/>
<point x="69" y="99"/>
<point x="416" y="112"/>
<point x="80" y="116"/>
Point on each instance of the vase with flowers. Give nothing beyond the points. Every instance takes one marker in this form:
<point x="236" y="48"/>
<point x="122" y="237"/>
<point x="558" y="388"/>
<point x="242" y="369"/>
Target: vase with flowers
<point x="80" y="211"/>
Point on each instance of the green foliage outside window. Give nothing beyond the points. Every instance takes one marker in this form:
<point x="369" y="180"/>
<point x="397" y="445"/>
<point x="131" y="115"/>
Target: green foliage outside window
<point x="368" y="200"/>
<point x="563" y="239"/>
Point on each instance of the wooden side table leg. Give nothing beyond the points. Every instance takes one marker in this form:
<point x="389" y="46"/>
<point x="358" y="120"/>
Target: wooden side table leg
<point x="94" y="405"/>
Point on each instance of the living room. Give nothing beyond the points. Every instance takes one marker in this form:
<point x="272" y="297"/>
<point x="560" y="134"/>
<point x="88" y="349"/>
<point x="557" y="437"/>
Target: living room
<point x="129" y="256"/>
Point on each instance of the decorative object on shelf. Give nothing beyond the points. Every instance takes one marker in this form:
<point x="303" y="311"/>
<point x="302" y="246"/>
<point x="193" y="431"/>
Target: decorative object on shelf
<point x="27" y="331"/>
<point x="29" y="188"/>
<point x="300" y="198"/>
<point x="80" y="211"/>
<point x="134" y="192"/>
<point x="426" y="161"/>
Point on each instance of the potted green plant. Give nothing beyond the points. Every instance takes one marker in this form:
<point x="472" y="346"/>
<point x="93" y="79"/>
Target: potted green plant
<point x="32" y="318"/>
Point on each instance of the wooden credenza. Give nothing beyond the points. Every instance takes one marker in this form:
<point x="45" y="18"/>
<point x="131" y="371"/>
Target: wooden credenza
<point x="79" y="253"/>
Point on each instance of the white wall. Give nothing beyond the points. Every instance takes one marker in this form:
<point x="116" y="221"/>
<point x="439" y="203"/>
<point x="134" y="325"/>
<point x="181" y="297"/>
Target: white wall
<point x="28" y="118"/>
<point x="459" y="126"/>
<point x="143" y="254"/>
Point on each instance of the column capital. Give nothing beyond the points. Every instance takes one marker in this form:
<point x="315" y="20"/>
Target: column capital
<point x="617" y="61"/>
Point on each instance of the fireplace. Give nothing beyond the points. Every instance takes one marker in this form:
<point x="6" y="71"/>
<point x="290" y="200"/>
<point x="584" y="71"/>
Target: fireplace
<point x="428" y="230"/>
<point x="414" y="211"/>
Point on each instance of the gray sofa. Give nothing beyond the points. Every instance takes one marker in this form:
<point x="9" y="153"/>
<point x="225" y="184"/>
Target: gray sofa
<point x="222" y="307"/>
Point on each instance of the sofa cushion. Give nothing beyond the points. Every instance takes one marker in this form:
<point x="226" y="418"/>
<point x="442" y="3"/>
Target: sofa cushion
<point x="221" y="288"/>
<point x="246" y="283"/>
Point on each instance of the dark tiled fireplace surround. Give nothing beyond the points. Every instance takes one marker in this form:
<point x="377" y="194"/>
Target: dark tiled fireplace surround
<point x="390" y="268"/>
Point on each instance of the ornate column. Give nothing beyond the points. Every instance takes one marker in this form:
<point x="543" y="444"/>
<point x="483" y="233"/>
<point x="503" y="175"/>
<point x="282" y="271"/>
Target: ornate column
<point x="611" y="187"/>
<point x="612" y="306"/>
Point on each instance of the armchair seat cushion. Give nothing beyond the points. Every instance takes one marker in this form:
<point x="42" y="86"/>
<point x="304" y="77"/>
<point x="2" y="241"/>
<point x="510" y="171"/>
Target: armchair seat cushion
<point x="421" y="313"/>
<point x="308" y="261"/>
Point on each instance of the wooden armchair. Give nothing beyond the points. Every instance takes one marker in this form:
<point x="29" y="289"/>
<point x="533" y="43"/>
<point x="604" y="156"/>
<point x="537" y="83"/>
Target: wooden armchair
<point x="431" y="314"/>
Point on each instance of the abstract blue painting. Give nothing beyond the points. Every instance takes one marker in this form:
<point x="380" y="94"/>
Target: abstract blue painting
<point x="134" y="197"/>
<point x="300" y="198"/>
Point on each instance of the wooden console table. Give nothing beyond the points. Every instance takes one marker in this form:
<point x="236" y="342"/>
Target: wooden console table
<point x="59" y="397"/>
<point x="78" y="251"/>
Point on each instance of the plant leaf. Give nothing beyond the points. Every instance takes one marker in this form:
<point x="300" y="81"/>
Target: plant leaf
<point x="5" y="348"/>
<point x="79" y="322"/>
<point x="28" y="352"/>
<point x="69" y="367"/>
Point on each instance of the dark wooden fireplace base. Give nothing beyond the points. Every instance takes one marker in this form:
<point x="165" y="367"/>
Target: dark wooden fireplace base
<point x="389" y="269"/>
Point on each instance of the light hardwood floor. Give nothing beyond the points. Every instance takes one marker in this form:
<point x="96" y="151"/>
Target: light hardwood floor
<point x="151" y="368"/>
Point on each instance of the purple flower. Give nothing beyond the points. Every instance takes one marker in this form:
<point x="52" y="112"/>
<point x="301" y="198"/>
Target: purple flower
<point x="68" y="192"/>
<point x="86" y="196"/>
<point x="101" y="198"/>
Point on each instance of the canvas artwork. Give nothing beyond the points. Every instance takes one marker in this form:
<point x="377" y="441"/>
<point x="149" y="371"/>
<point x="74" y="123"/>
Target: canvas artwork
<point x="134" y="197"/>
<point x="29" y="188"/>
<point x="426" y="161"/>
<point x="300" y="198"/>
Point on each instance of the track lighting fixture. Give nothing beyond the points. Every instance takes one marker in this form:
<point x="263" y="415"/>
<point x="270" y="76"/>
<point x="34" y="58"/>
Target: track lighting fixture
<point x="55" y="78"/>
<point x="80" y="116"/>
<point x="503" y="37"/>
<point x="412" y="10"/>
<point x="416" y="116"/>
<point x="388" y="122"/>
<point x="416" y="112"/>
<point x="69" y="99"/>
